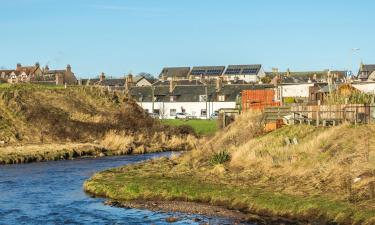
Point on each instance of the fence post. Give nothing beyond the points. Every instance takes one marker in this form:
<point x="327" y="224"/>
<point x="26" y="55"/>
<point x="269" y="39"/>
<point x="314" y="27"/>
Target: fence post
<point x="318" y="113"/>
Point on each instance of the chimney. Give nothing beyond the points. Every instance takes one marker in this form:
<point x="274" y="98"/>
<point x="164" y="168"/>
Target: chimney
<point x="18" y="67"/>
<point x="102" y="77"/>
<point x="68" y="68"/>
<point x="219" y="84"/>
<point x="172" y="85"/>
<point x="37" y="65"/>
<point x="128" y="82"/>
<point x="288" y="72"/>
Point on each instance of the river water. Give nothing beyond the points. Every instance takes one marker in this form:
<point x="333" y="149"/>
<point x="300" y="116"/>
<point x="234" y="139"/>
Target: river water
<point x="51" y="193"/>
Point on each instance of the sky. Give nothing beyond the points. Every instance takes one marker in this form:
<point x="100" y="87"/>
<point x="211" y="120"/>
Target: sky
<point x="122" y="36"/>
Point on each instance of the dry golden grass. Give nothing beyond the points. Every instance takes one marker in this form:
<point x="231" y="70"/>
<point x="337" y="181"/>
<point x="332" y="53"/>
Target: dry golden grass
<point x="140" y="143"/>
<point x="337" y="161"/>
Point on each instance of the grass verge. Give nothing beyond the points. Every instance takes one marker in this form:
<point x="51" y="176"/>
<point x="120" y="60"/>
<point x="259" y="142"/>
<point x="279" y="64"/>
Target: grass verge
<point x="162" y="180"/>
<point x="201" y="127"/>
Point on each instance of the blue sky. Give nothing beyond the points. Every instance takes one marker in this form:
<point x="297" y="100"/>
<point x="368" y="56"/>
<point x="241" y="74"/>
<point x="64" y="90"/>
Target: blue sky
<point x="121" y="36"/>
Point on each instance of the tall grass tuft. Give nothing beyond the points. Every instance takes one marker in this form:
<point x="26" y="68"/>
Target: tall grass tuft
<point x="220" y="158"/>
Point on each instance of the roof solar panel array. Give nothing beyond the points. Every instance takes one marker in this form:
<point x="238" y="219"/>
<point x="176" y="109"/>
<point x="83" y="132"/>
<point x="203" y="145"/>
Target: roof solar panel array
<point x="242" y="70"/>
<point x="208" y="71"/>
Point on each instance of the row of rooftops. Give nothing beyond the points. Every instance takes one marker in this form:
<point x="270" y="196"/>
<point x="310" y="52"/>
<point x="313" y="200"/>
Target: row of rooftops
<point x="31" y="70"/>
<point x="189" y="93"/>
<point x="185" y="72"/>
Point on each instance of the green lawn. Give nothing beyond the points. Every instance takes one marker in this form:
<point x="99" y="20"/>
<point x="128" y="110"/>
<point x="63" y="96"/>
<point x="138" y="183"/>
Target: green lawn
<point x="202" y="127"/>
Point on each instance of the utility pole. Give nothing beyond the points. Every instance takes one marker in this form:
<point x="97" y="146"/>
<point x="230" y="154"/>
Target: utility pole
<point x="205" y="90"/>
<point x="353" y="50"/>
<point x="153" y="97"/>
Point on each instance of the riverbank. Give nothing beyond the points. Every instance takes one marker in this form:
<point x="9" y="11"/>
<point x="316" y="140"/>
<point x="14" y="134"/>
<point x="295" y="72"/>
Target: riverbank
<point x="302" y="173"/>
<point x="111" y="145"/>
<point x="43" y="122"/>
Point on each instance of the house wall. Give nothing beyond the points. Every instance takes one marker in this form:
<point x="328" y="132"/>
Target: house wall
<point x="365" y="87"/>
<point x="191" y="108"/>
<point x="293" y="90"/>
<point x="143" y="83"/>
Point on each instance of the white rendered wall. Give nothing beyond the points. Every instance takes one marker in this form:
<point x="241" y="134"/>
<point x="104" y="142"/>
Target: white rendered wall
<point x="294" y="90"/>
<point x="365" y="87"/>
<point x="191" y="108"/>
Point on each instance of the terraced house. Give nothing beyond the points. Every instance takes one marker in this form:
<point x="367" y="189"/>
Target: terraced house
<point x="247" y="73"/>
<point x="36" y="74"/>
<point x="193" y="97"/>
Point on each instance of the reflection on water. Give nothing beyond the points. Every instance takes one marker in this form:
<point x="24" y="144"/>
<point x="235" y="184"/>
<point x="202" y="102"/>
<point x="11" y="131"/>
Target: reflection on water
<point x="51" y="193"/>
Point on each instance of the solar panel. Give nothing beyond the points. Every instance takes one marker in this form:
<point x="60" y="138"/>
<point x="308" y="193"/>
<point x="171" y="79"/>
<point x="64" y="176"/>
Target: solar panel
<point x="232" y="71"/>
<point x="249" y="71"/>
<point x="198" y="72"/>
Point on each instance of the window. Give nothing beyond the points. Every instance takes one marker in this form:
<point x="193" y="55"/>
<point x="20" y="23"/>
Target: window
<point x="203" y="112"/>
<point x="157" y="111"/>
<point x="146" y="110"/>
<point x="173" y="98"/>
<point x="202" y="98"/>
<point x="221" y="98"/>
<point x="172" y="112"/>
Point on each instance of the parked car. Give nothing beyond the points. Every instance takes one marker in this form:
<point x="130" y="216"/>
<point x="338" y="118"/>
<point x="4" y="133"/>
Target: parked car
<point x="181" y="115"/>
<point x="214" y="116"/>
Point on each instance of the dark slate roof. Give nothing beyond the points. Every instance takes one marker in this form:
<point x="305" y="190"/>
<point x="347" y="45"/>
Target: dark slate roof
<point x="178" y="82"/>
<point x="365" y="70"/>
<point x="112" y="82"/>
<point x="305" y="76"/>
<point x="181" y="72"/>
<point x="369" y="67"/>
<point x="54" y="71"/>
<point x="207" y="70"/>
<point x="161" y="93"/>
<point x="243" y="69"/>
<point x="191" y="93"/>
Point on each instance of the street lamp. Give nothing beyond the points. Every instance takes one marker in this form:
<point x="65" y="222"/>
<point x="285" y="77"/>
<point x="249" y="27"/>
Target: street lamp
<point x="353" y="51"/>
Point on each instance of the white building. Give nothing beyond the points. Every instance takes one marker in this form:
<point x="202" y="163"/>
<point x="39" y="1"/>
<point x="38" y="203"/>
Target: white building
<point x="295" y="90"/>
<point x="367" y="87"/>
<point x="248" y="73"/>
<point x="199" y="101"/>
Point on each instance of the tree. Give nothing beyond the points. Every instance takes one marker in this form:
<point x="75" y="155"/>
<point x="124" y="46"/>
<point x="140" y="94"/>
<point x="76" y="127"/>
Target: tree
<point x="266" y="80"/>
<point x="148" y="76"/>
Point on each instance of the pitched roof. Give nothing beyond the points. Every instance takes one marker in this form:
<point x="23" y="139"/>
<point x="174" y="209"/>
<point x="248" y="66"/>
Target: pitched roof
<point x="175" y="72"/>
<point x="54" y="71"/>
<point x="191" y="93"/>
<point x="243" y="69"/>
<point x="178" y="82"/>
<point x="112" y="82"/>
<point x="207" y="70"/>
<point x="365" y="70"/>
<point x="368" y="67"/>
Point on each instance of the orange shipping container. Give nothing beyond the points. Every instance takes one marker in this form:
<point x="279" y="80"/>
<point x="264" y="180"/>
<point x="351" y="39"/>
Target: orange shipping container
<point x="258" y="99"/>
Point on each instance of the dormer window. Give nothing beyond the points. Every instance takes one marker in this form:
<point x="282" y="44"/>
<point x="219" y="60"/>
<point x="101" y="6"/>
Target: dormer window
<point x="221" y="98"/>
<point x="173" y="98"/>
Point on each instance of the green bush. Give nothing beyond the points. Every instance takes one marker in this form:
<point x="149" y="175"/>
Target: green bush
<point x="186" y="130"/>
<point x="220" y="158"/>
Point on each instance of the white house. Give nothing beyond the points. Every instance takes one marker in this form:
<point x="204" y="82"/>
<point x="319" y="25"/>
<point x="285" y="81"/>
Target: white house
<point x="367" y="87"/>
<point x="248" y="73"/>
<point x="199" y="101"/>
<point x="295" y="90"/>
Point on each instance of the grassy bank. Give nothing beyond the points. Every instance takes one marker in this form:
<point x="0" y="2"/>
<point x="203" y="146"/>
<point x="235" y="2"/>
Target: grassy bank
<point x="201" y="127"/>
<point x="154" y="181"/>
<point x="41" y="115"/>
<point x="297" y="172"/>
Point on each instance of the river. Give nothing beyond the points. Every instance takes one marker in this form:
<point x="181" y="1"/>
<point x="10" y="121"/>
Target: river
<point x="51" y="193"/>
